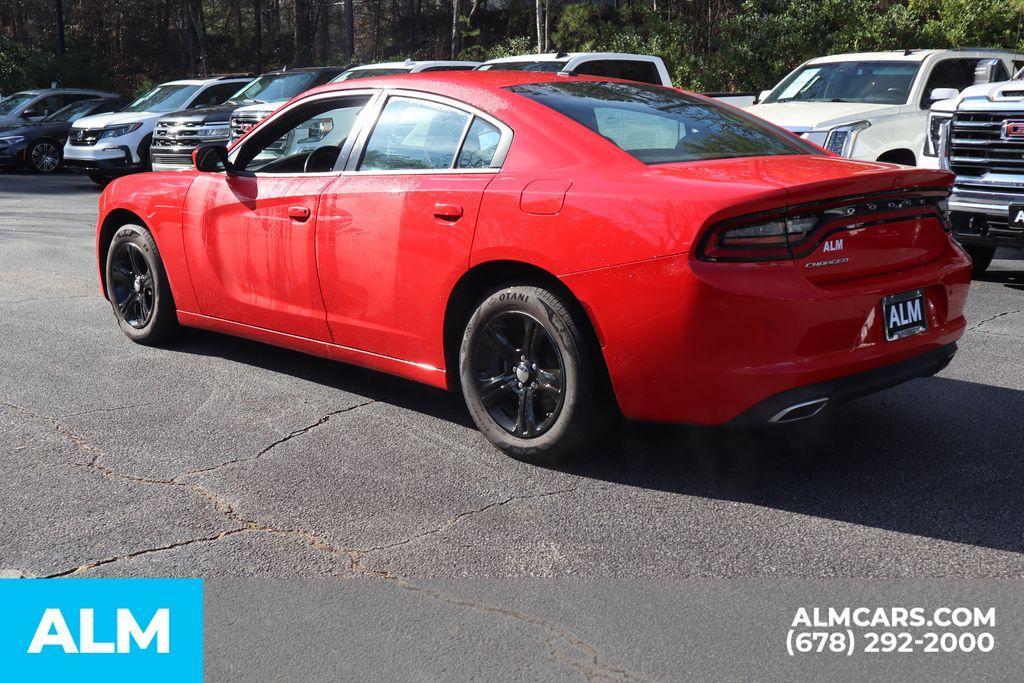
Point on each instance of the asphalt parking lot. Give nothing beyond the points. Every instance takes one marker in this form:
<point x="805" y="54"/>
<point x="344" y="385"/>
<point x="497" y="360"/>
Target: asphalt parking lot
<point x="222" y="458"/>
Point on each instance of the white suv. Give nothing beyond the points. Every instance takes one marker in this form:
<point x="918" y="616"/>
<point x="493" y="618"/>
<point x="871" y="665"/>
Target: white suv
<point x="873" y="105"/>
<point x="109" y="145"/>
<point x="642" y="68"/>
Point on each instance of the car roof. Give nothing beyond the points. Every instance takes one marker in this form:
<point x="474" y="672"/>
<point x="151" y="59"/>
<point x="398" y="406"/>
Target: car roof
<point x="58" y="91"/>
<point x="564" y="56"/>
<point x="904" y="55"/>
<point x="412" y="64"/>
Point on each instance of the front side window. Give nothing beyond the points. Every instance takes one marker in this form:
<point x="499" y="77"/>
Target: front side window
<point x="868" y="82"/>
<point x="308" y="139"/>
<point x="414" y="135"/>
<point x="215" y="94"/>
<point x="12" y="104"/>
<point x="658" y="125"/>
<point x="164" y="98"/>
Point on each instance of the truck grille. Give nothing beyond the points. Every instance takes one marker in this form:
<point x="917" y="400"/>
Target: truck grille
<point x="242" y="124"/>
<point x="184" y="134"/>
<point x="84" y="137"/>
<point x="977" y="145"/>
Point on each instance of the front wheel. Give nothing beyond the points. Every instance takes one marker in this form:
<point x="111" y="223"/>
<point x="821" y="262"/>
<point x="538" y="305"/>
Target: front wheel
<point x="137" y="287"/>
<point x="531" y="377"/>
<point x="981" y="258"/>
<point x="43" y="157"/>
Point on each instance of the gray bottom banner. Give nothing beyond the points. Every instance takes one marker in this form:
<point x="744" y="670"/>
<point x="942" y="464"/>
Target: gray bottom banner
<point x="397" y="629"/>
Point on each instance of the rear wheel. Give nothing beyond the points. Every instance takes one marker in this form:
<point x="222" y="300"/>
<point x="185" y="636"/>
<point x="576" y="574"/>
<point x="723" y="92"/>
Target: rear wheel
<point x="43" y="157"/>
<point x="981" y="258"/>
<point x="530" y="377"/>
<point x="137" y="287"/>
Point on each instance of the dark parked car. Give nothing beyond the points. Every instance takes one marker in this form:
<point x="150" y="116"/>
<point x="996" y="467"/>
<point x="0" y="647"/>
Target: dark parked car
<point x="34" y="105"/>
<point x="39" y="144"/>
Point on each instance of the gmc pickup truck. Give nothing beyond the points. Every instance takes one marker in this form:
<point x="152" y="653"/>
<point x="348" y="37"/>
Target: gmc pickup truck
<point x="979" y="135"/>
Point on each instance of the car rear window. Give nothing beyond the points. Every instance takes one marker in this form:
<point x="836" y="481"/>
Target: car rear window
<point x="659" y="125"/>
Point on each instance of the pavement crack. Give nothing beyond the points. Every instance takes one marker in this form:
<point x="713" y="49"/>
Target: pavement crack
<point x="469" y="513"/>
<point x="81" y="569"/>
<point x="284" y="439"/>
<point x="994" y="317"/>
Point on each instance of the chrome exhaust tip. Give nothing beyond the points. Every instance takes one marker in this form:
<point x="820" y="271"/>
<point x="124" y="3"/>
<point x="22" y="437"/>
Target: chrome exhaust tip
<point x="800" y="411"/>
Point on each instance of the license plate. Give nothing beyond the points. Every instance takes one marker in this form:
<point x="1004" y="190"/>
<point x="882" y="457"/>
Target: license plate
<point x="1016" y="218"/>
<point x="904" y="314"/>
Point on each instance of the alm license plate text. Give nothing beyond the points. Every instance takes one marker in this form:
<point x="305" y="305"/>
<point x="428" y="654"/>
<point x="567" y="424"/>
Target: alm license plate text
<point x="904" y="314"/>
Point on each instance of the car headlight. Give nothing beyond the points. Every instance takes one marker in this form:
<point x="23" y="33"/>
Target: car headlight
<point x="936" y="121"/>
<point x="317" y="129"/>
<point x="12" y="140"/>
<point x="118" y="131"/>
<point x="841" y="139"/>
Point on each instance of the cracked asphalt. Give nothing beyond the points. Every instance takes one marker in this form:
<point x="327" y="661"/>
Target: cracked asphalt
<point x="222" y="458"/>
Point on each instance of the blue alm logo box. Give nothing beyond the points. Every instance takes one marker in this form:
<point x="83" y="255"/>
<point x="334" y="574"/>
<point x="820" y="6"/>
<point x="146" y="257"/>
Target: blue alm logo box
<point x="106" y="629"/>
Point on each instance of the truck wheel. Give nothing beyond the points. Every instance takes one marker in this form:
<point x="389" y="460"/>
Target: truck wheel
<point x="981" y="258"/>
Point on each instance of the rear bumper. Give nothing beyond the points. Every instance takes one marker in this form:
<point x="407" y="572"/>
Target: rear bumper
<point x="807" y="401"/>
<point x="703" y="343"/>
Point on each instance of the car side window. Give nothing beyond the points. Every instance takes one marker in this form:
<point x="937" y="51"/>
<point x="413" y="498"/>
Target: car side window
<point x="75" y="97"/>
<point x="215" y="94"/>
<point x="46" y="106"/>
<point x="307" y="139"/>
<point x="949" y="73"/>
<point x="626" y="69"/>
<point x="480" y="145"/>
<point x="413" y="134"/>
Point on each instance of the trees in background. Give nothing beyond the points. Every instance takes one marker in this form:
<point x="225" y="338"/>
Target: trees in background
<point x="708" y="44"/>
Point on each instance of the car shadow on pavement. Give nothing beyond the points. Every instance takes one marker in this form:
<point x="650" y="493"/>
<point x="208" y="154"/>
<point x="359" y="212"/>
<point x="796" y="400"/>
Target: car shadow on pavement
<point x="61" y="184"/>
<point x="936" y="457"/>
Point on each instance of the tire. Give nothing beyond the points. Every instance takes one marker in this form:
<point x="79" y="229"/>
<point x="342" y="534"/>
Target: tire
<point x="143" y="152"/>
<point x="98" y="178"/>
<point x="137" y="287"/>
<point x="532" y="380"/>
<point x="44" y="156"/>
<point x="981" y="258"/>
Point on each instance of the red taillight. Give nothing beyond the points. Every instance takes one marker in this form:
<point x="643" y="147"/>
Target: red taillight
<point x="757" y="239"/>
<point x="797" y="231"/>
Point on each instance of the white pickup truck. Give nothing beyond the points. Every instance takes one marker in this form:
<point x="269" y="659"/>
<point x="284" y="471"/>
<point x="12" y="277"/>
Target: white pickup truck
<point x="874" y="105"/>
<point x="979" y="135"/>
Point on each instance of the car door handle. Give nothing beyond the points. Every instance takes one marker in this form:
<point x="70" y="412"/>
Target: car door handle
<point x="299" y="213"/>
<point x="447" y="212"/>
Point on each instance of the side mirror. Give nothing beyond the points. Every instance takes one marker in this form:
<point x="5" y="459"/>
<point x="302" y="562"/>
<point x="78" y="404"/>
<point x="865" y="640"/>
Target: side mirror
<point x="943" y="94"/>
<point x="211" y="158"/>
<point x="762" y="95"/>
<point x="31" y="113"/>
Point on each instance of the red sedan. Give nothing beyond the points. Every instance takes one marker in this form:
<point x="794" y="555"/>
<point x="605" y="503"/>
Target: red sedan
<point x="559" y="248"/>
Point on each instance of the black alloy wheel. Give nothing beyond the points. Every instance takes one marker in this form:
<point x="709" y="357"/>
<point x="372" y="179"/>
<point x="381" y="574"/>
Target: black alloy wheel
<point x="132" y="277"/>
<point x="533" y="377"/>
<point x="519" y="374"/>
<point x="138" y="288"/>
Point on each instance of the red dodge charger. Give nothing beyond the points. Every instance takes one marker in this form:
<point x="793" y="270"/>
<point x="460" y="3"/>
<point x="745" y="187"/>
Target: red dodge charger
<point x="561" y="249"/>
